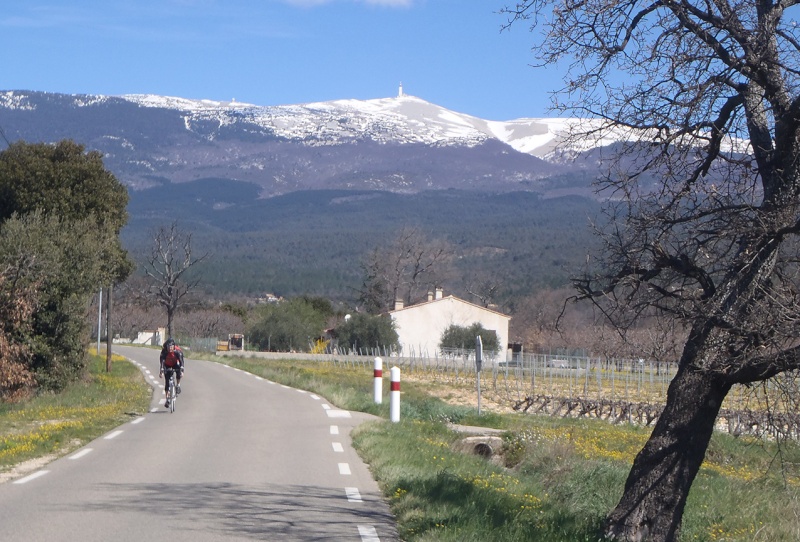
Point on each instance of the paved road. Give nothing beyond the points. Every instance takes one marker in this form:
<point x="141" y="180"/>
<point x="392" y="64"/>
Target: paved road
<point x="241" y="458"/>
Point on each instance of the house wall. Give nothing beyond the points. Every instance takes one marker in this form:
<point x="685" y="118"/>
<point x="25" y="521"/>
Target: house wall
<point x="420" y="327"/>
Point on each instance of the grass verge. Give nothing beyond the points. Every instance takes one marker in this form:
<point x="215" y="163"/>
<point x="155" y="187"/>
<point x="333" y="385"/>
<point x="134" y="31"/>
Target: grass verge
<point x="55" y="424"/>
<point x="558" y="478"/>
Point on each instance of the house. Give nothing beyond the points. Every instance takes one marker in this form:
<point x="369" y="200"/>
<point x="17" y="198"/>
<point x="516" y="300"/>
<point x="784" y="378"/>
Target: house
<point x="151" y="337"/>
<point x="420" y="326"/>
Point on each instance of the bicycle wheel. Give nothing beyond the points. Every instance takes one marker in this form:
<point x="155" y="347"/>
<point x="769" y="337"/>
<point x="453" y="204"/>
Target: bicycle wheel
<point x="172" y="394"/>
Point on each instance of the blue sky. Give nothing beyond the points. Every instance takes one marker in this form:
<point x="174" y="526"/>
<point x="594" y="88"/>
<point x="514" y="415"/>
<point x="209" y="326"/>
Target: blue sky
<point x="277" y="52"/>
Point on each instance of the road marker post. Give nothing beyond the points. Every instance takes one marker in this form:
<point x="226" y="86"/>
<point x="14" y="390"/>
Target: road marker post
<point x="394" y="399"/>
<point x="378" y="381"/>
<point x="478" y="363"/>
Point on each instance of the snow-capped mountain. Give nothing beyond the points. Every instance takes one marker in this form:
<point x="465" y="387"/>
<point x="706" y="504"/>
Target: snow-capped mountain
<point x="403" y="119"/>
<point x="401" y="144"/>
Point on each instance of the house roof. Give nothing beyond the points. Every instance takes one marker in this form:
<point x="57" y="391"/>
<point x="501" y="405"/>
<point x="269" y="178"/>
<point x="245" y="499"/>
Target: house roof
<point x="448" y="298"/>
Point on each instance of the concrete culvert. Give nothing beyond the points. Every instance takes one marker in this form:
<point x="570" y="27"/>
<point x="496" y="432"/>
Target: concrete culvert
<point x="484" y="450"/>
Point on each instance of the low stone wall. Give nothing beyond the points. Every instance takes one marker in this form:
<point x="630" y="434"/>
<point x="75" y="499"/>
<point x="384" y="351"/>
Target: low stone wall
<point x="293" y="355"/>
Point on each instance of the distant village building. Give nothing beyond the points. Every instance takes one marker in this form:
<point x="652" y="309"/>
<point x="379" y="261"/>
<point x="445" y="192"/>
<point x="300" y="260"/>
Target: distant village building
<point x="420" y="326"/>
<point x="268" y="298"/>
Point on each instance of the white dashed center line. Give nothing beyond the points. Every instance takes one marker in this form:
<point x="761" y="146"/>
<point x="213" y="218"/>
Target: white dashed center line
<point x="344" y="469"/>
<point x="353" y="494"/>
<point x="368" y="533"/>
<point x="337" y="447"/>
<point x="334" y="429"/>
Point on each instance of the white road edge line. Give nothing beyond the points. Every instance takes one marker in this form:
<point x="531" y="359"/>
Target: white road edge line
<point x="368" y="533"/>
<point x="337" y="447"/>
<point x="113" y="435"/>
<point x="344" y="469"/>
<point x="140" y="419"/>
<point x="30" y="477"/>
<point x="334" y="429"/>
<point x="82" y="453"/>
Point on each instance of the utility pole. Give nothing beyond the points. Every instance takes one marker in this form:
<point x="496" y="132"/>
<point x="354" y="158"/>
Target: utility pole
<point x="99" y="319"/>
<point x="108" y="330"/>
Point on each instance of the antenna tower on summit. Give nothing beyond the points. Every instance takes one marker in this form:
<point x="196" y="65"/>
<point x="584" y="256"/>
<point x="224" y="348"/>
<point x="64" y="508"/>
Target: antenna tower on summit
<point x="400" y="92"/>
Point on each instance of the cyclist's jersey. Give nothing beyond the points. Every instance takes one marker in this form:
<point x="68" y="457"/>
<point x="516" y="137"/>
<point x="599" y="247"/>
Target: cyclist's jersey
<point x="172" y="359"/>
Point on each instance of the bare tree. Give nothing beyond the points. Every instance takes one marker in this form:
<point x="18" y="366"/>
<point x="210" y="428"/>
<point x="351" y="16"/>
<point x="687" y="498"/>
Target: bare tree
<point x="170" y="260"/>
<point x="485" y="287"/>
<point x="211" y="323"/>
<point x="708" y="215"/>
<point x="402" y="269"/>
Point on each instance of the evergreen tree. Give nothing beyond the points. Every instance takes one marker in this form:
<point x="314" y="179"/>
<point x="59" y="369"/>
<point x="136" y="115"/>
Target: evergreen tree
<point x="464" y="338"/>
<point x="60" y="216"/>
<point x="364" y="331"/>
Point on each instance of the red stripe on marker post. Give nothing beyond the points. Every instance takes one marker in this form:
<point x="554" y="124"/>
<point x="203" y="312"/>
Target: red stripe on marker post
<point x="394" y="395"/>
<point x="377" y="388"/>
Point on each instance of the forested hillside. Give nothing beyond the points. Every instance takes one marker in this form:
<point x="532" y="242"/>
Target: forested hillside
<point x="313" y="242"/>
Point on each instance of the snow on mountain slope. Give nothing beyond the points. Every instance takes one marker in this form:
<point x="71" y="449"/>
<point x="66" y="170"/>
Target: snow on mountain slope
<point x="404" y="119"/>
<point x="401" y="119"/>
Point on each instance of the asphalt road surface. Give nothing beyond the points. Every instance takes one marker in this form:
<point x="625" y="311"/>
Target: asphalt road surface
<point x="241" y="458"/>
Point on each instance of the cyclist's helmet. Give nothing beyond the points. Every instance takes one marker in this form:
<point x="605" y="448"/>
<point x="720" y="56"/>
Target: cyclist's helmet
<point x="169" y="342"/>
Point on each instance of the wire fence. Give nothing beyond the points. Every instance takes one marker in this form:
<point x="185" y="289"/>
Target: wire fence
<point x="532" y="374"/>
<point x="617" y="390"/>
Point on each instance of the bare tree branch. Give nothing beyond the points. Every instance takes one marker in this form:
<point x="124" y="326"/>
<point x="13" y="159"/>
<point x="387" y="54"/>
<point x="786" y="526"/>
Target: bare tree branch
<point x="170" y="260"/>
<point x="703" y="208"/>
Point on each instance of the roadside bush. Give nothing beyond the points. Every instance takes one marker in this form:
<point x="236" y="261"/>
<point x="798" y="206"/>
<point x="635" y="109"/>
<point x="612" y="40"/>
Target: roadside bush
<point x="52" y="265"/>
<point x="366" y="331"/>
<point x="289" y="326"/>
<point x="464" y="338"/>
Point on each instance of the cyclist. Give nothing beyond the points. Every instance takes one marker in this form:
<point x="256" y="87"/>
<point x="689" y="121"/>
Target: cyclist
<point x="171" y="361"/>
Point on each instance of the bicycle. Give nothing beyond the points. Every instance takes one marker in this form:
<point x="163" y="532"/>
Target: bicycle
<point x="172" y="396"/>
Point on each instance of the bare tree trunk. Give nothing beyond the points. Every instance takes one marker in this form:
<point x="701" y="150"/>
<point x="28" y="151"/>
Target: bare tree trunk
<point x="655" y="493"/>
<point x="170" y="316"/>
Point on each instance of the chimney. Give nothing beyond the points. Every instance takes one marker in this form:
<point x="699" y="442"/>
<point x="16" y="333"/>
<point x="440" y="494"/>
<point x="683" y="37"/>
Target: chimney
<point x="438" y="293"/>
<point x="430" y="296"/>
<point x="398" y="304"/>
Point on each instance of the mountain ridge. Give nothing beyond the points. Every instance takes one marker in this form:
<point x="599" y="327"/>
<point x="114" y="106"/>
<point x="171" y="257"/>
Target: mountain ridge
<point x="402" y="144"/>
<point x="294" y="202"/>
